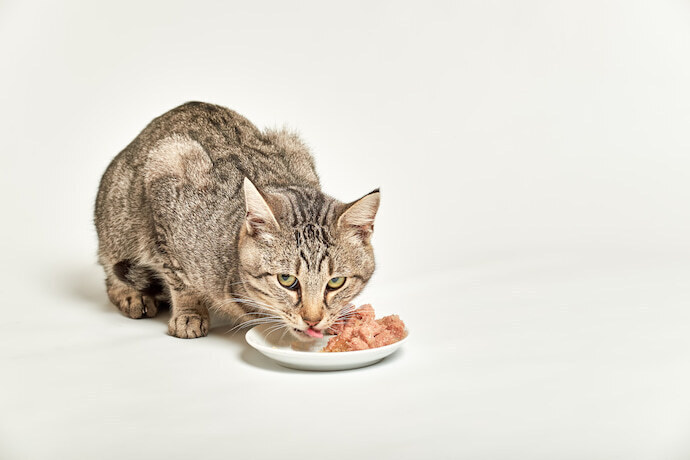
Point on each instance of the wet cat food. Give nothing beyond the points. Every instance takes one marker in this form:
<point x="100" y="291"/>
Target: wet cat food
<point x="362" y="331"/>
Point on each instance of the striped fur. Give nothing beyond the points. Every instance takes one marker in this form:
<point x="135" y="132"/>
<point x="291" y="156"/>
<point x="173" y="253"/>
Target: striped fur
<point x="174" y="224"/>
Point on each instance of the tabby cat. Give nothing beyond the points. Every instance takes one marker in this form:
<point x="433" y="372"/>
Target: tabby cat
<point x="203" y="211"/>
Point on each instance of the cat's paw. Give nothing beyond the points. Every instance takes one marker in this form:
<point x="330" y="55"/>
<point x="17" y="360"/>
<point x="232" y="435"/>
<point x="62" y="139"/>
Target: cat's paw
<point x="188" y="326"/>
<point x="135" y="305"/>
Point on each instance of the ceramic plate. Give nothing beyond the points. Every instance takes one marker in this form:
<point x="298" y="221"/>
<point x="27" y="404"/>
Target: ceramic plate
<point x="292" y="353"/>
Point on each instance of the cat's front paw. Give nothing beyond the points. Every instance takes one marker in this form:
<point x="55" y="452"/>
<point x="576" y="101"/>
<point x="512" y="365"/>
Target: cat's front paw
<point x="188" y="326"/>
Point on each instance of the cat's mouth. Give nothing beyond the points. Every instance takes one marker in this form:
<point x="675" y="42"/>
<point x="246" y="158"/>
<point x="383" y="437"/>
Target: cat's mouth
<point x="308" y="333"/>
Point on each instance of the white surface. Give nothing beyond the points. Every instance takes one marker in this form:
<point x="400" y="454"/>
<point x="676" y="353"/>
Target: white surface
<point x="281" y="348"/>
<point x="534" y="231"/>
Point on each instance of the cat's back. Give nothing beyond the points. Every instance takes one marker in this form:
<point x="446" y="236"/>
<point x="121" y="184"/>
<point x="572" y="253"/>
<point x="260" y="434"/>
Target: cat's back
<point x="219" y="130"/>
<point x="231" y="143"/>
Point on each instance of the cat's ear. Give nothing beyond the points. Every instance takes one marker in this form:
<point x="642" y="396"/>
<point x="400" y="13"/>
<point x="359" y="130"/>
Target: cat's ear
<point x="358" y="217"/>
<point x="259" y="217"/>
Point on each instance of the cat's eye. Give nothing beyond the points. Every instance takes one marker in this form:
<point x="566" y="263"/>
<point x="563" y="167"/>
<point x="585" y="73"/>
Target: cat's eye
<point x="288" y="281"/>
<point x="336" y="283"/>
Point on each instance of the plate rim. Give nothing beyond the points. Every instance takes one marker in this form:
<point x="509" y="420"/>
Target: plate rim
<point x="319" y="353"/>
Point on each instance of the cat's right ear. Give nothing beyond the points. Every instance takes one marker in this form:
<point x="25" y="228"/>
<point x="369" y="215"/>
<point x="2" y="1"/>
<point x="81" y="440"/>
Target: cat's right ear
<point x="259" y="217"/>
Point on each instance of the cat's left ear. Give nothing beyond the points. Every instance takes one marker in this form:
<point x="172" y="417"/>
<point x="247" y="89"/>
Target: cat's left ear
<point x="359" y="215"/>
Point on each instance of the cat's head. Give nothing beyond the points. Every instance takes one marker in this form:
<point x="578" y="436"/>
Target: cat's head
<point x="304" y="255"/>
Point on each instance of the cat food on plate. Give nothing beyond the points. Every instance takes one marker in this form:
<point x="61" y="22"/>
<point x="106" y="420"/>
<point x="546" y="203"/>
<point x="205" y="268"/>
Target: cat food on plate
<point x="362" y="331"/>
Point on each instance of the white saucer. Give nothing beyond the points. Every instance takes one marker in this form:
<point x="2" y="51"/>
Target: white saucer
<point x="279" y="347"/>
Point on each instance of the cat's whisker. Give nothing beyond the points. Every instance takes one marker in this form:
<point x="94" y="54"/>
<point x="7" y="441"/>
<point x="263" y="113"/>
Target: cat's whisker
<point x="263" y="316"/>
<point x="239" y="327"/>
<point x="255" y="321"/>
<point x="346" y="317"/>
<point x="274" y="329"/>
<point x="262" y="310"/>
<point x="346" y="311"/>
<point x="284" y="332"/>
<point x="260" y="319"/>
<point x="256" y="315"/>
<point x="276" y="326"/>
<point x="247" y="301"/>
<point x="266" y="314"/>
<point x="258" y="306"/>
<point x="346" y="314"/>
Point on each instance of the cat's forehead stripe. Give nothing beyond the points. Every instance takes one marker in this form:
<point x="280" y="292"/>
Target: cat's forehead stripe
<point x="308" y="206"/>
<point x="326" y="211"/>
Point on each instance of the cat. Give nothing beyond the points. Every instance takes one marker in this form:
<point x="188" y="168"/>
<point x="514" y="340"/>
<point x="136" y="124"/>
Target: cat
<point x="203" y="211"/>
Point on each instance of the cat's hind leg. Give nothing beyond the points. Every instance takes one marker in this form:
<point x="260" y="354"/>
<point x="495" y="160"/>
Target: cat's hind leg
<point x="136" y="291"/>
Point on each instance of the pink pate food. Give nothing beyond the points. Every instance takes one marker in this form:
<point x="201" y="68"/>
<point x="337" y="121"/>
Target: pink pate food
<point x="362" y="331"/>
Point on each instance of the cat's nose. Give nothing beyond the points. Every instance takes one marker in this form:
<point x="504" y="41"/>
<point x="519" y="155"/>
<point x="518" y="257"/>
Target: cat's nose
<point x="311" y="323"/>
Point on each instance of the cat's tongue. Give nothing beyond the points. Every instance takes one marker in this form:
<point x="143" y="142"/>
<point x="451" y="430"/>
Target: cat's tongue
<point x="312" y="333"/>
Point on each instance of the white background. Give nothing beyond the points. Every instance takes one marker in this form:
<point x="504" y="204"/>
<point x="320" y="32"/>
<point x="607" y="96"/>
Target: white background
<point x="534" y="230"/>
